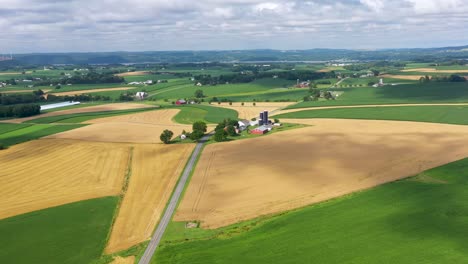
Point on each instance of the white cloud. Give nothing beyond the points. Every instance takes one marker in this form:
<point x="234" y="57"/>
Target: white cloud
<point x="374" y="5"/>
<point x="50" y="25"/>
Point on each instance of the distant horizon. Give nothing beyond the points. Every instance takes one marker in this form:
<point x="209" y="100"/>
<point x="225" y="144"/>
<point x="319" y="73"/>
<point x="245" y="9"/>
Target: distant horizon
<point x="230" y="50"/>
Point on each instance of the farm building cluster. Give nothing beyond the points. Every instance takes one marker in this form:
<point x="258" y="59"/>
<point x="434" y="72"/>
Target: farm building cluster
<point x="262" y="125"/>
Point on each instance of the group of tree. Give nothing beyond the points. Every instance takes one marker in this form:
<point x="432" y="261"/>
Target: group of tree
<point x="315" y="94"/>
<point x="243" y="77"/>
<point x="198" y="131"/>
<point x="451" y="78"/>
<point x="20" y="110"/>
<point x="227" y="127"/>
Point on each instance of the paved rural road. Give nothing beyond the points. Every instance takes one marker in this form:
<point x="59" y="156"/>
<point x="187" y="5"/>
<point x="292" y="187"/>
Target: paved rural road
<point x="149" y="252"/>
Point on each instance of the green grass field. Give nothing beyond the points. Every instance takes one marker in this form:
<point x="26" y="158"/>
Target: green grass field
<point x="210" y="114"/>
<point x="72" y="233"/>
<point x="418" y="220"/>
<point x="224" y="90"/>
<point x="31" y="132"/>
<point x="434" y="114"/>
<point x="8" y="127"/>
<point x="82" y="117"/>
<point x="399" y="94"/>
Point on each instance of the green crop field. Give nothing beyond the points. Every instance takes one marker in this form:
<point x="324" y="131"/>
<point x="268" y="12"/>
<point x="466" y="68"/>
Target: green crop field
<point x="72" y="233"/>
<point x="281" y="94"/>
<point x="8" y="127"/>
<point x="193" y="113"/>
<point x="434" y="114"/>
<point x="82" y="117"/>
<point x="418" y="220"/>
<point x="32" y="132"/>
<point x="225" y="90"/>
<point x="398" y="94"/>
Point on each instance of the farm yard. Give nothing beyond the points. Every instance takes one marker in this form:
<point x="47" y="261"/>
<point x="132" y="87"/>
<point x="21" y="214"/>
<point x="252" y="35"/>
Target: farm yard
<point x="331" y="159"/>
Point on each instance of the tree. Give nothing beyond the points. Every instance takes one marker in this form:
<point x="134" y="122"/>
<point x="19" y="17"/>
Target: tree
<point x="277" y="120"/>
<point x="230" y="102"/>
<point x="196" y="135"/>
<point x="199" y="93"/>
<point x="2" y="146"/>
<point x="166" y="136"/>
<point x="199" y="126"/>
<point x="220" y="135"/>
<point x="254" y="104"/>
<point x="242" y="103"/>
<point x="231" y="131"/>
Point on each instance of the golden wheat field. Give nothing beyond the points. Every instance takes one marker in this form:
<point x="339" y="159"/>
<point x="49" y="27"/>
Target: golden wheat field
<point x="143" y="127"/>
<point x="244" y="179"/>
<point x="154" y="173"/>
<point x="135" y="73"/>
<point x="434" y="70"/>
<point x="46" y="173"/>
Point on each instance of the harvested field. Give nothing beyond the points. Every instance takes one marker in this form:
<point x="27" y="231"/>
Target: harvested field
<point x="135" y="73"/>
<point x="155" y="171"/>
<point x="90" y="109"/>
<point x="434" y="70"/>
<point x="14" y="73"/>
<point x="332" y="158"/>
<point x="121" y="260"/>
<point x="249" y="111"/>
<point x="403" y="77"/>
<point x="19" y="91"/>
<point x="135" y="128"/>
<point x="93" y="91"/>
<point x="46" y="173"/>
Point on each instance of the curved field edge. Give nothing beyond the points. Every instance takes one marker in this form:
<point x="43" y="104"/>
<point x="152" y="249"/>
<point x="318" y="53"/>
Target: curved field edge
<point x="24" y="133"/>
<point x="192" y="113"/>
<point x="416" y="220"/>
<point x="399" y="94"/>
<point x="71" y="233"/>
<point x="82" y="117"/>
<point x="456" y="115"/>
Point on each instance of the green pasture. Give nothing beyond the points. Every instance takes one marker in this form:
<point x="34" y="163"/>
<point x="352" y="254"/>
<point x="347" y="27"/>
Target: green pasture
<point x="71" y="233"/>
<point x="23" y="134"/>
<point x="418" y="220"/>
<point x="398" y="94"/>
<point x="434" y="114"/>
<point x="82" y="117"/>
<point x="190" y="114"/>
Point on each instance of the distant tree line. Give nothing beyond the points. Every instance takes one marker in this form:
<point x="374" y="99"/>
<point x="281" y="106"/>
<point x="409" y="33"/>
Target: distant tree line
<point x="451" y="78"/>
<point x="22" y="110"/>
<point x="37" y="97"/>
<point x="207" y="79"/>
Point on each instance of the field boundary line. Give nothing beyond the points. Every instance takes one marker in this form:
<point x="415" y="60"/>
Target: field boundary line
<point x="169" y="211"/>
<point x="123" y="191"/>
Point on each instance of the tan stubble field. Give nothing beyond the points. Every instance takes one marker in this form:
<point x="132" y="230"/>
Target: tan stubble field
<point x="244" y="179"/>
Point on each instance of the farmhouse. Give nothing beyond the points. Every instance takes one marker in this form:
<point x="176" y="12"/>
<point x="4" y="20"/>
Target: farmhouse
<point x="243" y="124"/>
<point x="259" y="130"/>
<point x="141" y="95"/>
<point x="181" y="102"/>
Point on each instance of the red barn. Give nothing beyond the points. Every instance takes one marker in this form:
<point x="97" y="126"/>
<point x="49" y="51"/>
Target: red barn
<point x="181" y="102"/>
<point x="259" y="130"/>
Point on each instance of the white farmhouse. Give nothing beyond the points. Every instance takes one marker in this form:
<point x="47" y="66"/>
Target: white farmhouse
<point x="141" y="95"/>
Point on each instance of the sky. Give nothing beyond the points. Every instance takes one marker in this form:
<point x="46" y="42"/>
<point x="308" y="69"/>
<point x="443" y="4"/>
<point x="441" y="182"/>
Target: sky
<point x="150" y="25"/>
